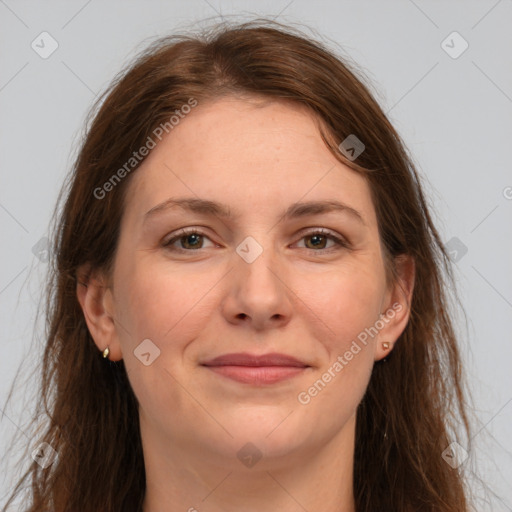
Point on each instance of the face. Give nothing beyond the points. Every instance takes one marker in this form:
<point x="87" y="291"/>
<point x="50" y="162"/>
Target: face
<point x="265" y="268"/>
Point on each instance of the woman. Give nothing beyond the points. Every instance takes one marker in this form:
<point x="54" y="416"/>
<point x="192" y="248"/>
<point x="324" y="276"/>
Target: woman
<point x="247" y="308"/>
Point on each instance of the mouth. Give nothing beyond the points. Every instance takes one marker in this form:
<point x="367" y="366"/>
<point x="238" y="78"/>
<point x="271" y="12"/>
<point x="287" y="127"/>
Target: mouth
<point x="256" y="370"/>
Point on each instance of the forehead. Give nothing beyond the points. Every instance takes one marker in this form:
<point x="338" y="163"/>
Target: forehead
<point x="247" y="152"/>
<point x="248" y="130"/>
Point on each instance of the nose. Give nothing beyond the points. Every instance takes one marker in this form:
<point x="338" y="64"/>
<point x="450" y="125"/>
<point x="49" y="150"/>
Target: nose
<point x="259" y="293"/>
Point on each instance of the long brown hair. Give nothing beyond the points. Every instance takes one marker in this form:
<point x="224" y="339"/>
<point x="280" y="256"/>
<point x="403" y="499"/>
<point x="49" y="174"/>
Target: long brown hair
<point x="416" y="399"/>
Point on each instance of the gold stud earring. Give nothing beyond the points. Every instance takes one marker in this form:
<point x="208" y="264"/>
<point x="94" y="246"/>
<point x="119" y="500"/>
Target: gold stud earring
<point x="106" y="352"/>
<point x="385" y="346"/>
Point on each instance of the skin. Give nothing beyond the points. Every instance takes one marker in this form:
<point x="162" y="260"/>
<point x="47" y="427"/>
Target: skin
<point x="298" y="298"/>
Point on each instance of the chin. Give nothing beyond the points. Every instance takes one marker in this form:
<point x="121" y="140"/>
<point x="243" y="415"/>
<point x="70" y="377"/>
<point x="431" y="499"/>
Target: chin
<point x="276" y="431"/>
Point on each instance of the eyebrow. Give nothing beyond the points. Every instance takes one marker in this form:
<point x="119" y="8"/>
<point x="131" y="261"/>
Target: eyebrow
<point x="295" y="210"/>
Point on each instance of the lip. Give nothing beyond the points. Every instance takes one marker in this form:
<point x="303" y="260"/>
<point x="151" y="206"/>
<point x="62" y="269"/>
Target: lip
<point x="256" y="369"/>
<point x="245" y="359"/>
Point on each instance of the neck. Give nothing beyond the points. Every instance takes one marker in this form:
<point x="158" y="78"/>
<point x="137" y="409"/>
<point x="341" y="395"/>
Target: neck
<point x="310" y="478"/>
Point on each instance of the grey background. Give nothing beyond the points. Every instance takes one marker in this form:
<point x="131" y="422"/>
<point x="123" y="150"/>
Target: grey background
<point x="455" y="115"/>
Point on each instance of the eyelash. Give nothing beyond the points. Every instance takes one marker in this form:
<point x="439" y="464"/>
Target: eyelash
<point x="340" y="242"/>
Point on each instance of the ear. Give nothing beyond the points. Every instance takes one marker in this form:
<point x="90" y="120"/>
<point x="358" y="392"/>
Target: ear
<point x="96" y="299"/>
<point x="396" y="306"/>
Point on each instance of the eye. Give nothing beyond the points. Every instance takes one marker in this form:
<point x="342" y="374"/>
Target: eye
<point x="319" y="237"/>
<point x="190" y="239"/>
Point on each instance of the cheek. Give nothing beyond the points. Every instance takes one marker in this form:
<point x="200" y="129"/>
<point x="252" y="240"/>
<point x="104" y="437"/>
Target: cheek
<point x="349" y="305"/>
<point x="347" y="301"/>
<point x="338" y="385"/>
<point x="161" y="305"/>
